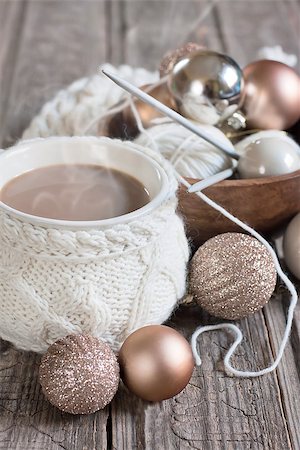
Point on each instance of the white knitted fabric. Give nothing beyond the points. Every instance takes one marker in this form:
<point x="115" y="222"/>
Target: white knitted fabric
<point x="81" y="107"/>
<point x="71" y="111"/>
<point x="109" y="282"/>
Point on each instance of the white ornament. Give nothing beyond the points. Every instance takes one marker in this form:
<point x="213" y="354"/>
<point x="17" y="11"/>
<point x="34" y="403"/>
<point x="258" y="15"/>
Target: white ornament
<point x="276" y="53"/>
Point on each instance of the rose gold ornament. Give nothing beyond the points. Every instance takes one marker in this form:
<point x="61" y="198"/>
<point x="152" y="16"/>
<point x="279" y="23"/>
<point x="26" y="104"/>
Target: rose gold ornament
<point x="156" y="362"/>
<point x="271" y="95"/>
<point x="173" y="56"/>
<point x="79" y="374"/>
<point x="232" y="275"/>
<point x="123" y="124"/>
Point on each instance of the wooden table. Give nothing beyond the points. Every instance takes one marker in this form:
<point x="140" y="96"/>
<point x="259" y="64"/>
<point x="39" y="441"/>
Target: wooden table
<point x="44" y="46"/>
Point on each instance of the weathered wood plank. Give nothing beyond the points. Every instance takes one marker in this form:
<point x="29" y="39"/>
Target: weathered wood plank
<point x="288" y="370"/>
<point x="11" y="16"/>
<point x="214" y="412"/>
<point x="60" y="42"/>
<point x="29" y="422"/>
<point x="237" y="30"/>
<point x="151" y="28"/>
<point x="45" y="49"/>
<point x="247" y="26"/>
<point x="115" y="32"/>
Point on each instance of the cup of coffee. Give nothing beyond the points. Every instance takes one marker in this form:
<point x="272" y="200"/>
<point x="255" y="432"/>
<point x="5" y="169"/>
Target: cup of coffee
<point x="89" y="240"/>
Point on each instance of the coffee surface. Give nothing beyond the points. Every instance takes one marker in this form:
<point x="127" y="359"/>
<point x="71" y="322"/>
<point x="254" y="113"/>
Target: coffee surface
<point x="75" y="192"/>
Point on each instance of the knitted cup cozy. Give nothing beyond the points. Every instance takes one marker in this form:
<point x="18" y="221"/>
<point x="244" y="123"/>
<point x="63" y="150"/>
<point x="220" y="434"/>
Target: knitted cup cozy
<point x="106" y="282"/>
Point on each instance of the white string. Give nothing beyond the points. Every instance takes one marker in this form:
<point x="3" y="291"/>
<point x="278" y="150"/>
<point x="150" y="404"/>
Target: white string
<point x="139" y="123"/>
<point x="239" y="335"/>
<point x="105" y="115"/>
<point x="125" y="101"/>
<point x="220" y="326"/>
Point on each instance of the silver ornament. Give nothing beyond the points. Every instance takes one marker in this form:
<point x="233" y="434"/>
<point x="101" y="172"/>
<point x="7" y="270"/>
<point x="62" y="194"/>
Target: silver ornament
<point x="207" y="86"/>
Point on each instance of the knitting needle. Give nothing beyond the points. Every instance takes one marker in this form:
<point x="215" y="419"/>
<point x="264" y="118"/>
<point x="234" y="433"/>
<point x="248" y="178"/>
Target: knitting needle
<point x="146" y="98"/>
<point x="213" y="179"/>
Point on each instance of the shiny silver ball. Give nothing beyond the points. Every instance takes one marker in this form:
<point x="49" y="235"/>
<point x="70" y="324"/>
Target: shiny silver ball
<point x="207" y="86"/>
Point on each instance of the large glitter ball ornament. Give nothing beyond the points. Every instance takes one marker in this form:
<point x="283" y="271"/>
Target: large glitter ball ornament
<point x="173" y="56"/>
<point x="123" y="125"/>
<point x="207" y="86"/>
<point x="291" y="246"/>
<point x="271" y="95"/>
<point x="156" y="362"/>
<point x="79" y="374"/>
<point x="232" y="276"/>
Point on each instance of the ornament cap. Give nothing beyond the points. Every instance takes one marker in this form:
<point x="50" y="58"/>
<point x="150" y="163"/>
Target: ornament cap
<point x="237" y="121"/>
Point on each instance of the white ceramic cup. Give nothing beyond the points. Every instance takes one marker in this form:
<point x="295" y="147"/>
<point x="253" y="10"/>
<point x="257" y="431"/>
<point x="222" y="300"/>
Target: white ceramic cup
<point x="37" y="153"/>
<point x="105" y="278"/>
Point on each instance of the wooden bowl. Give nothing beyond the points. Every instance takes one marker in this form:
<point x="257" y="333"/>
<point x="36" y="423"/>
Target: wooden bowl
<point x="264" y="203"/>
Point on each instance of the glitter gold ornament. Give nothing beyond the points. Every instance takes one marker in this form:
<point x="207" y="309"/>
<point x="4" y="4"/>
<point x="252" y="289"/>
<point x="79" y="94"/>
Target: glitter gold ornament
<point x="271" y="95"/>
<point x="291" y="246"/>
<point x="232" y="275"/>
<point x="156" y="362"/>
<point x="79" y="374"/>
<point x="173" y="56"/>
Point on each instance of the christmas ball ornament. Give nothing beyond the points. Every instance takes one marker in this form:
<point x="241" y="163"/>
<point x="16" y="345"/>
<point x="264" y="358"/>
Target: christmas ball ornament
<point x="291" y="246"/>
<point x="271" y="95"/>
<point x="79" y="374"/>
<point x="156" y="362"/>
<point x="123" y="124"/>
<point x="172" y="57"/>
<point x="268" y="155"/>
<point x="207" y="86"/>
<point x="232" y="275"/>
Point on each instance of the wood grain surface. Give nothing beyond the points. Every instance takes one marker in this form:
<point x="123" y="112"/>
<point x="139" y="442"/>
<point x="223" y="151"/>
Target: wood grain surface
<point x="44" y="46"/>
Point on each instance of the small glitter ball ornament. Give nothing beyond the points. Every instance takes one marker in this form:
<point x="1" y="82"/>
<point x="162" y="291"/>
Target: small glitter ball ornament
<point x="156" y="362"/>
<point x="172" y="57"/>
<point x="207" y="86"/>
<point x="232" y="275"/>
<point x="79" y="374"/>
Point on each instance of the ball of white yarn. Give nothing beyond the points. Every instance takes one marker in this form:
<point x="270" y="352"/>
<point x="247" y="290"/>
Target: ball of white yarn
<point x="190" y="155"/>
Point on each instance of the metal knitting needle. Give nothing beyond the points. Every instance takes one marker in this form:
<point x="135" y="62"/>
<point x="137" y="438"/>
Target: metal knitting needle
<point x="213" y="179"/>
<point x="146" y="98"/>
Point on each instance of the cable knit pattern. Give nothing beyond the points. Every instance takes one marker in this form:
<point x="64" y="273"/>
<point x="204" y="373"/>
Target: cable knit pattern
<point x="72" y="109"/>
<point x="106" y="282"/>
<point x="37" y="240"/>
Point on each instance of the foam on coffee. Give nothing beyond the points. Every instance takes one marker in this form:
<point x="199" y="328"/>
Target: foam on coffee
<point x="75" y="192"/>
